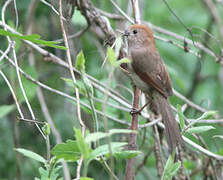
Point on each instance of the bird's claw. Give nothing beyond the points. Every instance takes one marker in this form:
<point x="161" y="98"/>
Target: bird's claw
<point x="135" y="111"/>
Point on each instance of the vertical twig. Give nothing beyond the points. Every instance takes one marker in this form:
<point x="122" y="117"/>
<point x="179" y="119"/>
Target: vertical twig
<point x="132" y="137"/>
<point x="158" y="153"/>
<point x="83" y="127"/>
<point x="134" y="125"/>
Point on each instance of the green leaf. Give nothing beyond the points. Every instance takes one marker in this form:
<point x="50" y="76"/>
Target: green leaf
<point x="175" y="168"/>
<point x="46" y="129"/>
<point x="35" y="38"/>
<point x="126" y="154"/>
<point x="121" y="61"/>
<point x="104" y="149"/>
<point x="55" y="173"/>
<point x="111" y="56"/>
<point x="181" y="116"/>
<point x="80" y="62"/>
<point x="79" y="84"/>
<point x="93" y="137"/>
<point x="199" y="129"/>
<point x="208" y="115"/>
<point x="86" y="178"/>
<point x="68" y="151"/>
<point x="43" y="173"/>
<point x="78" y="18"/>
<point x="83" y="146"/>
<point x="170" y="169"/>
<point x="31" y="155"/>
<point x="5" y="109"/>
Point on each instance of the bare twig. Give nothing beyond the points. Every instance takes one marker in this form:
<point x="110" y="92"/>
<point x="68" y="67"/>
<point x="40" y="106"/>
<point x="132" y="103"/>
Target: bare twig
<point x="214" y="13"/>
<point x="132" y="136"/>
<point x="52" y="7"/>
<point x="158" y="152"/>
<point x="13" y="94"/>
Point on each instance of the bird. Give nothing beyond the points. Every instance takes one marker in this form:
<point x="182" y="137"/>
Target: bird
<point x="149" y="73"/>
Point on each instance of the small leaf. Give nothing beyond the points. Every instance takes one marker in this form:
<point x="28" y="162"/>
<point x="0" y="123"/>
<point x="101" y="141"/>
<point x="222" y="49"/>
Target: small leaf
<point x="79" y="84"/>
<point x="31" y="155"/>
<point x="181" y="117"/>
<point x="208" y="115"/>
<point x="46" y="129"/>
<point x="121" y="61"/>
<point x="199" y="129"/>
<point x="170" y="169"/>
<point x="68" y="151"/>
<point x="86" y="178"/>
<point x="33" y="38"/>
<point x="5" y="109"/>
<point x="126" y="154"/>
<point x="78" y="18"/>
<point x="111" y="56"/>
<point x="175" y="168"/>
<point x="82" y="145"/>
<point x="80" y="62"/>
<point x="104" y="149"/>
<point x="93" y="137"/>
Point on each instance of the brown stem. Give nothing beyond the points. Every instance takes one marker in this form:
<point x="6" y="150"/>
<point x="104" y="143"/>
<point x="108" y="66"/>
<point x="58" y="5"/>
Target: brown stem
<point x="132" y="137"/>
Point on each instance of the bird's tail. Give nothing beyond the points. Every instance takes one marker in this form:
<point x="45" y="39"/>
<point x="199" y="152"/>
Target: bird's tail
<point x="172" y="130"/>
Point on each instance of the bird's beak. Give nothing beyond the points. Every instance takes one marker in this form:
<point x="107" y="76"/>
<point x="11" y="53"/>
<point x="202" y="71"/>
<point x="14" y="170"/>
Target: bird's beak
<point x="126" y="33"/>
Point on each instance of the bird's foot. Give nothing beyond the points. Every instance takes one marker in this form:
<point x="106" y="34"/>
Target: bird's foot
<point x="135" y="111"/>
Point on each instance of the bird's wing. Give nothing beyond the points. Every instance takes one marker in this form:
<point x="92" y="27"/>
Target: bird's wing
<point x="154" y="74"/>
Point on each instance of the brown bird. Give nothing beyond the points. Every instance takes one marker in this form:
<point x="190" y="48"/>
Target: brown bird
<point x="149" y="73"/>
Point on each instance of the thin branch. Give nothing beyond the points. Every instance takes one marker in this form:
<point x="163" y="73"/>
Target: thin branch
<point x="71" y="69"/>
<point x="52" y="7"/>
<point x="122" y="12"/>
<point x="214" y="13"/>
<point x="203" y="150"/>
<point x="190" y="103"/>
<point x="13" y="94"/>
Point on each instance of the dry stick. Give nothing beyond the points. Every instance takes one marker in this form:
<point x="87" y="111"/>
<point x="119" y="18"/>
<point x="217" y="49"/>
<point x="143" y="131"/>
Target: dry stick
<point x="83" y="127"/>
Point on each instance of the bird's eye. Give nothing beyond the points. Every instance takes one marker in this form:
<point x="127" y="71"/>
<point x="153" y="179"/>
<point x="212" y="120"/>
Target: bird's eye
<point x="134" y="31"/>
